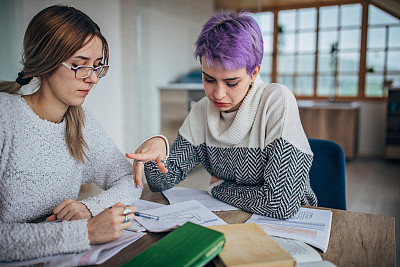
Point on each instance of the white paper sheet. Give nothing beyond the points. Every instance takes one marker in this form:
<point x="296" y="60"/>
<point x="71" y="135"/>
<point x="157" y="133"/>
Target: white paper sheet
<point x="312" y="226"/>
<point x="96" y="255"/>
<point x="180" y="194"/>
<point x="142" y="205"/>
<point x="100" y="253"/>
<point x="175" y="215"/>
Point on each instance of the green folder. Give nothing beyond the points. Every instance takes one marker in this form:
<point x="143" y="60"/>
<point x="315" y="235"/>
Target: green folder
<point x="188" y="245"/>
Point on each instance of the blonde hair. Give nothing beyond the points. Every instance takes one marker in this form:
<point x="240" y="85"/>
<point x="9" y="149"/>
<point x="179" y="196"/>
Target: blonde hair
<point x="52" y="36"/>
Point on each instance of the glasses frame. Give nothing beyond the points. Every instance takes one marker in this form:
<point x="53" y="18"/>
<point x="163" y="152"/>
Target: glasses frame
<point x="93" y="69"/>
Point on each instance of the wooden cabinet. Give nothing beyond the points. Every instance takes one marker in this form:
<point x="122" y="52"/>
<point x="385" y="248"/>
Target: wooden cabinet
<point x="333" y="121"/>
<point x="392" y="150"/>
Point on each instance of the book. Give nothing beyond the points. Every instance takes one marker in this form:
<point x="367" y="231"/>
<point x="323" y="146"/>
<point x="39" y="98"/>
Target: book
<point x="189" y="245"/>
<point x="305" y="255"/>
<point x="248" y="245"/>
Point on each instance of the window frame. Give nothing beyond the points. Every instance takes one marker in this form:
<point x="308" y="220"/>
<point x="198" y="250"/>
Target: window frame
<point x="360" y="73"/>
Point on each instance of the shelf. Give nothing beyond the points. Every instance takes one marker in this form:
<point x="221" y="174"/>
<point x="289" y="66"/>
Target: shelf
<point x="393" y="125"/>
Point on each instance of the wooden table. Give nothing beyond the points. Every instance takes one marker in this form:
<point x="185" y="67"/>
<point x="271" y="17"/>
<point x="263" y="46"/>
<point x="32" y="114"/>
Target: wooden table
<point x="357" y="239"/>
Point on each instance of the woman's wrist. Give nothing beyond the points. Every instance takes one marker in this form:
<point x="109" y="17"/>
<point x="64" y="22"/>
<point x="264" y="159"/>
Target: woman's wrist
<point x="165" y="141"/>
<point x="211" y="186"/>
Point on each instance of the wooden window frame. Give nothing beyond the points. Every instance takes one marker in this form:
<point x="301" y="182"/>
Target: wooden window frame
<point x="362" y="69"/>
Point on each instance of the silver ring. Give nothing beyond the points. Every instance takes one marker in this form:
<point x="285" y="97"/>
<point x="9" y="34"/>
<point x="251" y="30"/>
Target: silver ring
<point x="139" y="162"/>
<point x="127" y="218"/>
<point x="126" y="211"/>
<point x="163" y="161"/>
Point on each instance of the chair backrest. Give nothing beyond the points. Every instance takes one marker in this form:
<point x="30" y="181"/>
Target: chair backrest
<point x="327" y="174"/>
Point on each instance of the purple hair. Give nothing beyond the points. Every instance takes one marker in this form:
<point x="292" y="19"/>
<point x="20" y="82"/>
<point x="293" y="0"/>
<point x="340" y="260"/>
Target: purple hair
<point x="231" y="41"/>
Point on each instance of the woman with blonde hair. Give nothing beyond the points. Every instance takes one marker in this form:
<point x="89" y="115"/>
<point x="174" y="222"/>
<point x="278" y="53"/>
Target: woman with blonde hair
<point x="50" y="145"/>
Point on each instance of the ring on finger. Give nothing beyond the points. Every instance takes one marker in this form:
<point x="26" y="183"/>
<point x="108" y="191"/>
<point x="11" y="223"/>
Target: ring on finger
<point x="139" y="162"/>
<point x="127" y="218"/>
<point x="126" y="211"/>
<point x="163" y="161"/>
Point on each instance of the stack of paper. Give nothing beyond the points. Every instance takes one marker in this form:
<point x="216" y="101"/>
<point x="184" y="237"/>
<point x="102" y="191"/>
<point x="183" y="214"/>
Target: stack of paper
<point x="181" y="194"/>
<point x="175" y="215"/>
<point x="96" y="255"/>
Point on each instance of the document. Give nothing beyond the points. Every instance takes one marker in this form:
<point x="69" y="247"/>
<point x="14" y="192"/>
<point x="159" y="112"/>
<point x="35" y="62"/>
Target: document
<point x="142" y="205"/>
<point x="96" y="255"/>
<point x="180" y="194"/>
<point x="312" y="226"/>
<point x="100" y="253"/>
<point x="174" y="215"/>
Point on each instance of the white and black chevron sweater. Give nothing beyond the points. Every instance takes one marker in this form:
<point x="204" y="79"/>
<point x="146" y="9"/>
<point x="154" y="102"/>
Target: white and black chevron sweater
<point x="260" y="152"/>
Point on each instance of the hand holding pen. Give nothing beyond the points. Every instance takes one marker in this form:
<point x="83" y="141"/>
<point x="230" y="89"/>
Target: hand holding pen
<point x="139" y="214"/>
<point x="109" y="224"/>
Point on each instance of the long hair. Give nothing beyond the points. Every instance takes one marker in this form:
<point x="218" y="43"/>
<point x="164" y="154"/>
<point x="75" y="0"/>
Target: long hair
<point x="52" y="36"/>
<point x="231" y="41"/>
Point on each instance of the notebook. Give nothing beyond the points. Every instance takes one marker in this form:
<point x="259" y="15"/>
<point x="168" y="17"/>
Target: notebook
<point x="188" y="245"/>
<point x="248" y="245"/>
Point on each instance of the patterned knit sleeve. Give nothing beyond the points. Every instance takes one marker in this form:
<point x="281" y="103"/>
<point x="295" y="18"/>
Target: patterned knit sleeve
<point x="24" y="241"/>
<point x="282" y="192"/>
<point x="182" y="159"/>
<point x="108" y="168"/>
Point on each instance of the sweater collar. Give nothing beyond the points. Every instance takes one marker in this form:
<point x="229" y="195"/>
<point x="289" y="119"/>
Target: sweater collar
<point x="232" y="129"/>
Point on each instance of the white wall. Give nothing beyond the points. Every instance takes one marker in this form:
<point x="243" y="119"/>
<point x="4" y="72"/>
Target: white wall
<point x="105" y="100"/>
<point x="160" y="39"/>
<point x="10" y="40"/>
<point x="143" y="55"/>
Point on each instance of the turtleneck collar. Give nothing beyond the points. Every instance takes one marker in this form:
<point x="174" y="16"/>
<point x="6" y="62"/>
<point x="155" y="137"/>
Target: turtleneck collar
<point x="232" y="127"/>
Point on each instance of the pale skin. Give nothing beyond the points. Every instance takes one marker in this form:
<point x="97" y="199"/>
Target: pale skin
<point x="226" y="89"/>
<point x="59" y="90"/>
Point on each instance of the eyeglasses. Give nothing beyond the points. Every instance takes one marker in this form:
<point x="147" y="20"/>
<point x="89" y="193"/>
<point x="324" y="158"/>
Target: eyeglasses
<point x="82" y="72"/>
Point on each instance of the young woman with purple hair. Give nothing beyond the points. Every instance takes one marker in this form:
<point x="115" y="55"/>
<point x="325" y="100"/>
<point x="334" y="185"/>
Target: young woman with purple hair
<point x="246" y="133"/>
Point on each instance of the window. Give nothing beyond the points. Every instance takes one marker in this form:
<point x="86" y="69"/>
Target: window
<point x="338" y="50"/>
<point x="266" y="22"/>
<point x="296" y="49"/>
<point x="383" y="52"/>
<point x="319" y="51"/>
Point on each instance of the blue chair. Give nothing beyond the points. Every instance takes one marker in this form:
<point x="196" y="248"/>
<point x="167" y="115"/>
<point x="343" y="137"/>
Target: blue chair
<point x="327" y="174"/>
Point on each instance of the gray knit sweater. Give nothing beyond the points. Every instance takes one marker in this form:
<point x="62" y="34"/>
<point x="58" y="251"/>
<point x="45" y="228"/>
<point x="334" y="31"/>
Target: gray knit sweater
<point x="260" y="152"/>
<point x="37" y="173"/>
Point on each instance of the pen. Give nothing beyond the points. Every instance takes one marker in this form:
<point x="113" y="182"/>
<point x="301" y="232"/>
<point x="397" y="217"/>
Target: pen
<point x="145" y="215"/>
